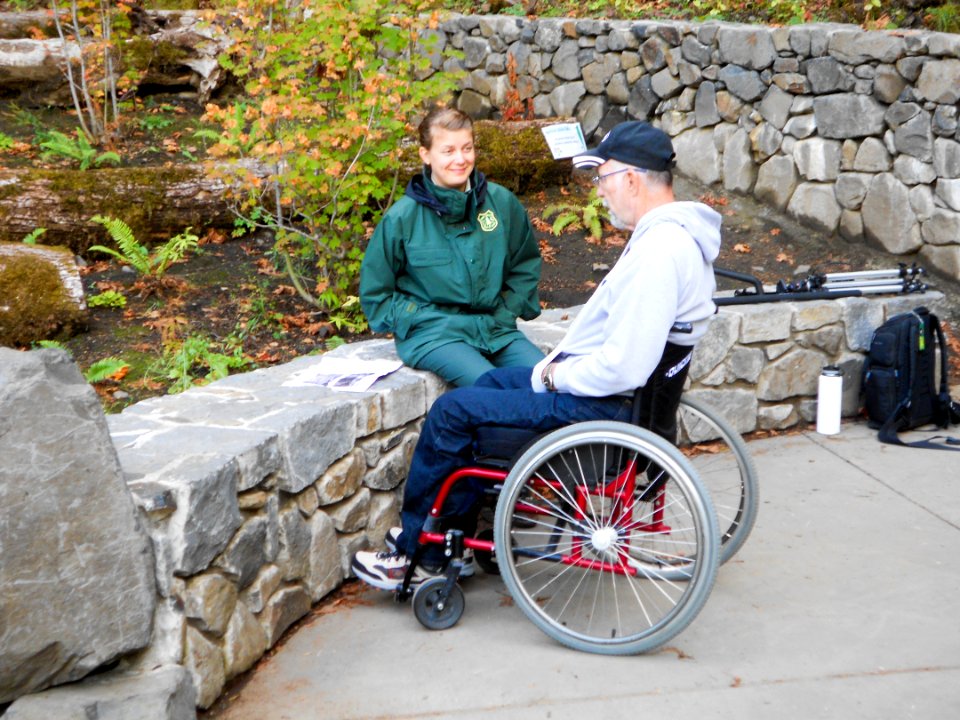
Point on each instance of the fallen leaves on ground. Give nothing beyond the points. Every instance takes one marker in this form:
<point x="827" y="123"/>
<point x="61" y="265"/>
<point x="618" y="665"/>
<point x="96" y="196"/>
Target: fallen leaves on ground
<point x="742" y="248"/>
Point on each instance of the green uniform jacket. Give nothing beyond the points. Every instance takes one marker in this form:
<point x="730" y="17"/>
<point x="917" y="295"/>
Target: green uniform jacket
<point x="445" y="266"/>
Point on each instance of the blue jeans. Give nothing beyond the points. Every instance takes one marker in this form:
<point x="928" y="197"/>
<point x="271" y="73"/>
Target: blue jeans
<point x="460" y="363"/>
<point x="501" y="397"/>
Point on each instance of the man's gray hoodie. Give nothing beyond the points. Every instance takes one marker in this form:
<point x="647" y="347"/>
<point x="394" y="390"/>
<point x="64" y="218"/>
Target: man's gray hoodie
<point x="664" y="276"/>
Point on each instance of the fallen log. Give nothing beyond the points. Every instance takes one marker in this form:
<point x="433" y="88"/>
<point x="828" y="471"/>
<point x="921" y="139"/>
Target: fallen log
<point x="155" y="202"/>
<point x="159" y="202"/>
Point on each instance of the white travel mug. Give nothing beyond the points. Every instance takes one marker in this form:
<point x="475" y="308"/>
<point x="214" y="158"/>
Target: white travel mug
<point x="829" y="400"/>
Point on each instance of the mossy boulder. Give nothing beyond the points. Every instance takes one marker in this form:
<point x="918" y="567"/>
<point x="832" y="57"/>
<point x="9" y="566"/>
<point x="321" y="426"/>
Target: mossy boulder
<point x="41" y="295"/>
<point x="514" y="154"/>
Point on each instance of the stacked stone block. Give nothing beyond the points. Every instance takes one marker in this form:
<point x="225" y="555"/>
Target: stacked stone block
<point x="850" y="131"/>
<point x="257" y="495"/>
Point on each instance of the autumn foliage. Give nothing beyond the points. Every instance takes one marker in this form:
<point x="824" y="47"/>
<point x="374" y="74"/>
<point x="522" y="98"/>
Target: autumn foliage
<point x="331" y="90"/>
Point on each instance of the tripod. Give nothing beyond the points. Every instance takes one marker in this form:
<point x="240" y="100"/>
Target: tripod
<point x="825" y="286"/>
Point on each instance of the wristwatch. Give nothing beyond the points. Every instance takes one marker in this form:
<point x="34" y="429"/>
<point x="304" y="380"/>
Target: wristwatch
<point x="546" y="377"/>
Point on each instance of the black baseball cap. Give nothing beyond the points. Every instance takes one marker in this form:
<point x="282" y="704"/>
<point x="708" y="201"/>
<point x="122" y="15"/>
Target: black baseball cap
<point x="635" y="143"/>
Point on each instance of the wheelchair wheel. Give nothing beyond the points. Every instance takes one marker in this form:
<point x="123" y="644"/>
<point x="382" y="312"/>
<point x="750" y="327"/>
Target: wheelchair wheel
<point x="430" y="609"/>
<point x="720" y="458"/>
<point x="587" y="558"/>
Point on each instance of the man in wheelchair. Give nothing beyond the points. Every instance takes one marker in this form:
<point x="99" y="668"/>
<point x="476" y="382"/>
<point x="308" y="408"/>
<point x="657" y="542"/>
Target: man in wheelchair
<point x="637" y="330"/>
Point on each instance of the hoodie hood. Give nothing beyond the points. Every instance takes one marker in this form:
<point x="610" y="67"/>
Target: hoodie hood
<point x="423" y="191"/>
<point x="701" y="221"/>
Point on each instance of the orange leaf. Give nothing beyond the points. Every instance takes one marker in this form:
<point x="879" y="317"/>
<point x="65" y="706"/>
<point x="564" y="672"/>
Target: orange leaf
<point x="775" y="231"/>
<point x="742" y="248"/>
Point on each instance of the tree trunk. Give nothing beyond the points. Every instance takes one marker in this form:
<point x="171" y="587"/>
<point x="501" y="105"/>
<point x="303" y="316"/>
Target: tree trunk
<point x="156" y="203"/>
<point x="160" y="202"/>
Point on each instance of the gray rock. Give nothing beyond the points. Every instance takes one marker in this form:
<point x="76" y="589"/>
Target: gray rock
<point x="847" y="116"/>
<point x="548" y="37"/>
<point x="887" y="217"/>
<point x="860" y="318"/>
<point x="729" y="106"/>
<point x="776" y="181"/>
<point x="697" y="155"/>
<point x="817" y="159"/>
<point x="643" y="99"/>
<point x="705" y="105"/>
<point x="872" y="156"/>
<point x="856" y="46"/>
<point x="714" y="346"/>
<point x="737" y="407"/>
<point x="911" y="171"/>
<point x="826" y="75"/>
<point x="939" y="81"/>
<point x="566" y="63"/>
<point x="776" y="107"/>
<point x="764" y="323"/>
<point x="888" y="84"/>
<point x="166" y="693"/>
<point x="801" y="126"/>
<point x="475" y="51"/>
<point x="665" y="85"/>
<point x="695" y="51"/>
<point x="792" y="375"/>
<point x="851" y="225"/>
<point x="745" y="84"/>
<point x="765" y="140"/>
<point x="915" y="137"/>
<point x="243" y="643"/>
<point x="949" y="192"/>
<point x="945" y="120"/>
<point x="77" y="569"/>
<point x="566" y="97"/>
<point x="943" y="227"/>
<point x="618" y="91"/>
<point x="814" y="204"/>
<point x="943" y="258"/>
<point x="748" y="46"/>
<point x="851" y="189"/>
<point x="590" y="113"/>
<point x="739" y="170"/>
<point x="946" y="158"/>
<point x="921" y="200"/>
<point x="653" y="52"/>
<point x="475" y="105"/>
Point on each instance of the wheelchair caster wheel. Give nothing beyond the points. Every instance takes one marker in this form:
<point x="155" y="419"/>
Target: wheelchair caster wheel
<point x="433" y="612"/>
<point x="486" y="560"/>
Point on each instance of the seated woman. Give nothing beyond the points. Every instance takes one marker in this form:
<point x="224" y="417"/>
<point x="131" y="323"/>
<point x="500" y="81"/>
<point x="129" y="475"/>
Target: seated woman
<point x="453" y="263"/>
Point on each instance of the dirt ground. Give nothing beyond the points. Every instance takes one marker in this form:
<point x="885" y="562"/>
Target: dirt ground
<point x="232" y="290"/>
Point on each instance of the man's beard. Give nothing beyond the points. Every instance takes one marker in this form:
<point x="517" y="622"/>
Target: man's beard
<point x="614" y="218"/>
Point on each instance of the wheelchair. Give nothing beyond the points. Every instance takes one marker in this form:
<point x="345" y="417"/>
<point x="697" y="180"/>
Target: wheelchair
<point x="607" y="536"/>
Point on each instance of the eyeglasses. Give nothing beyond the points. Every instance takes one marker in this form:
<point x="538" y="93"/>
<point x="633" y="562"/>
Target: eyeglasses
<point x="596" y="179"/>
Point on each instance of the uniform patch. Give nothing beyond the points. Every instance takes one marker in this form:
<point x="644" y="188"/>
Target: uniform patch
<point x="488" y="221"/>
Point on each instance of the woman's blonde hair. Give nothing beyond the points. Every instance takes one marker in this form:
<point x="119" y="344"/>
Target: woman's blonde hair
<point x="445" y="118"/>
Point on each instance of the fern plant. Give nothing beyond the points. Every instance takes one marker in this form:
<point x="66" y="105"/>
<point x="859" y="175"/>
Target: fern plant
<point x="138" y="256"/>
<point x="569" y="216"/>
<point x="55" y="143"/>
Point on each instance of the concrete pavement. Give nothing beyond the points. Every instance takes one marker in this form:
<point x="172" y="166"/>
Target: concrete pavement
<point x="844" y="603"/>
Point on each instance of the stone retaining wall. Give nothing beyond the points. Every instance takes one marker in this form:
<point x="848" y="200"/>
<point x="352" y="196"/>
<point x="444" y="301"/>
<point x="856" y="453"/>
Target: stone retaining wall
<point x="256" y="494"/>
<point x="849" y="131"/>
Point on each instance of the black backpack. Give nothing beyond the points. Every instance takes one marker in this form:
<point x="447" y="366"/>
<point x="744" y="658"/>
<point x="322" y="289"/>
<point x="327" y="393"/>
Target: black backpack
<point x="899" y="379"/>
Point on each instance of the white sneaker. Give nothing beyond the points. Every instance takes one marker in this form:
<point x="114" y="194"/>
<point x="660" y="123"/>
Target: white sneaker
<point x="386" y="570"/>
<point x="469" y="568"/>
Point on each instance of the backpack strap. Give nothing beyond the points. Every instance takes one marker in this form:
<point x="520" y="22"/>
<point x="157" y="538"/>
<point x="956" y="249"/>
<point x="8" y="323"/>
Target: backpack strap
<point x="948" y="411"/>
